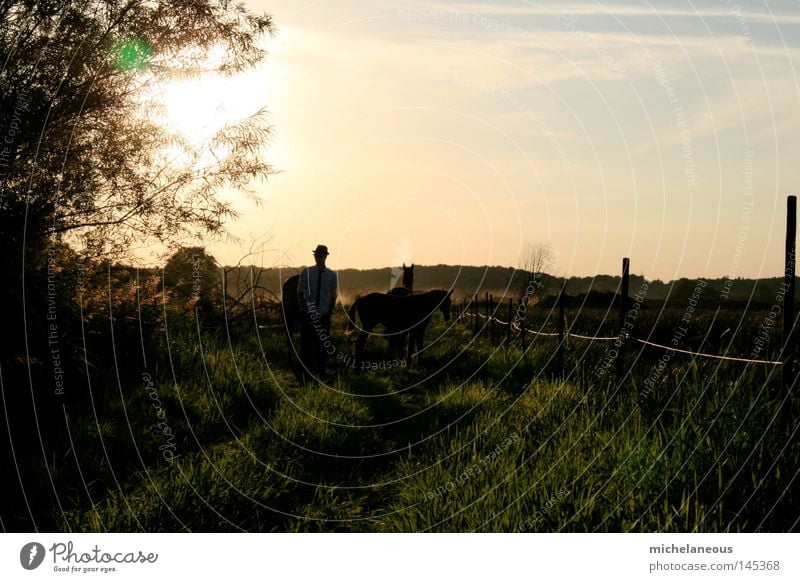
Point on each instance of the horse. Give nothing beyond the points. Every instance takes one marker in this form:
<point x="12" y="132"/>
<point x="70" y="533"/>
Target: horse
<point x="397" y="339"/>
<point x="411" y="314"/>
<point x="406" y="286"/>
<point x="292" y="317"/>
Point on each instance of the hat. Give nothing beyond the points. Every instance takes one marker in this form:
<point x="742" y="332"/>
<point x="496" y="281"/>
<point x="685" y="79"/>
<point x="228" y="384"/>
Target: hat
<point x="321" y="250"/>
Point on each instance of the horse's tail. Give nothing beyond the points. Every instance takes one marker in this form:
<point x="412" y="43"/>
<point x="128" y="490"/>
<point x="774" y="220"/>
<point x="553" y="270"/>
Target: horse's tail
<point x="351" y="318"/>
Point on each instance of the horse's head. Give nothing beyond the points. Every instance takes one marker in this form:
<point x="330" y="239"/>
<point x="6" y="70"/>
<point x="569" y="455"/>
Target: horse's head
<point x="445" y="304"/>
<point x="408" y="277"/>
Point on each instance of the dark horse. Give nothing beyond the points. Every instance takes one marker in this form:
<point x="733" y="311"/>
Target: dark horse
<point x="398" y="338"/>
<point x="411" y="314"/>
<point x="292" y="316"/>
<point x="406" y="286"/>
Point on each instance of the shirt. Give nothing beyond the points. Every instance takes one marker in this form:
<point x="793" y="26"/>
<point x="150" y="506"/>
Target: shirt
<point x="307" y="290"/>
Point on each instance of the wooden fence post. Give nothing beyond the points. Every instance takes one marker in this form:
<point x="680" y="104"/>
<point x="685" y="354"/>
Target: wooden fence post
<point x="623" y="311"/>
<point x="560" y="350"/>
<point x="789" y="352"/>
<point x="486" y="306"/>
<point x="510" y="315"/>
<point x="491" y="319"/>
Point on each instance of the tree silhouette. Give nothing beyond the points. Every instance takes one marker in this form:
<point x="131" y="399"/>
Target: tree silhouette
<point x="535" y="260"/>
<point x="85" y="166"/>
<point x="80" y="154"/>
<point x="193" y="281"/>
<point x="83" y="162"/>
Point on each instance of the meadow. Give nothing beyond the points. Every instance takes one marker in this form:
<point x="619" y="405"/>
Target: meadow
<point x="216" y="434"/>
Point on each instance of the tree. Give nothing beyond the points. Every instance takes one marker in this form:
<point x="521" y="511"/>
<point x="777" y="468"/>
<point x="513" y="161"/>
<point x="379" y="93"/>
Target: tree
<point x="80" y="158"/>
<point x="192" y="281"/>
<point x="83" y="162"/>
<point x="247" y="290"/>
<point x="535" y="260"/>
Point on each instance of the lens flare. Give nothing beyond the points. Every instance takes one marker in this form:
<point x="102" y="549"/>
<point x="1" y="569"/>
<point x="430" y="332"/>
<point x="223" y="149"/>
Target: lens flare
<point x="132" y="54"/>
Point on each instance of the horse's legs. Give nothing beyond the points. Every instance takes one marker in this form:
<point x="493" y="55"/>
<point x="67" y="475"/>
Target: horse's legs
<point x="418" y="339"/>
<point x="399" y="344"/>
<point x="395" y="340"/>
<point x="412" y="342"/>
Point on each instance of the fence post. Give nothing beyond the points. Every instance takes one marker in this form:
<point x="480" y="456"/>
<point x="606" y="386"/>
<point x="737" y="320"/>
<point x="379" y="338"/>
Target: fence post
<point x="789" y="351"/>
<point x="560" y="350"/>
<point x="491" y="319"/>
<point x="486" y="306"/>
<point x="623" y="311"/>
<point x="471" y="309"/>
<point x="522" y="335"/>
<point x="510" y="315"/>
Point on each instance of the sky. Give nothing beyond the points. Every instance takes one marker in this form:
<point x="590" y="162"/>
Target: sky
<point x="460" y="132"/>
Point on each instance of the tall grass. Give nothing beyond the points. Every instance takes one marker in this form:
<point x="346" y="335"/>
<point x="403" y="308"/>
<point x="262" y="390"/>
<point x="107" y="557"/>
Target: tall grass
<point x="480" y="438"/>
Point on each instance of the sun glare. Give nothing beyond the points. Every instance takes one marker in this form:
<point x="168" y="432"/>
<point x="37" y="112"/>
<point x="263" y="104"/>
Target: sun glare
<point x="197" y="108"/>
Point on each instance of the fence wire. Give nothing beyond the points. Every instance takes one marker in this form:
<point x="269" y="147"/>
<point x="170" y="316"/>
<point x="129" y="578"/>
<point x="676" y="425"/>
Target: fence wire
<point x="713" y="356"/>
<point x="518" y="329"/>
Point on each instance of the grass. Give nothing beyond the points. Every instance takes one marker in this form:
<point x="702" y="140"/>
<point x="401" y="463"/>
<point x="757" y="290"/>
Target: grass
<point x="480" y="438"/>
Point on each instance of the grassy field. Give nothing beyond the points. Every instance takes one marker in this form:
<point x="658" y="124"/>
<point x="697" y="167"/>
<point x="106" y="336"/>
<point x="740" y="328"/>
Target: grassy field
<point x="215" y="434"/>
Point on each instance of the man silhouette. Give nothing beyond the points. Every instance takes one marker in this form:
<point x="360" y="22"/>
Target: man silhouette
<point x="316" y="293"/>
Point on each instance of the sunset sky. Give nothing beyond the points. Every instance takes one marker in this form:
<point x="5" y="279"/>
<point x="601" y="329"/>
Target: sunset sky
<point x="457" y="132"/>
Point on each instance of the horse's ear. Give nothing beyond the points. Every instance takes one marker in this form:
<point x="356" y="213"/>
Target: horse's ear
<point x="404" y="265"/>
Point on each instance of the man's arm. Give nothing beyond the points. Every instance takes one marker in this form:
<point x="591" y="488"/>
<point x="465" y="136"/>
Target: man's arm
<point x="334" y="292"/>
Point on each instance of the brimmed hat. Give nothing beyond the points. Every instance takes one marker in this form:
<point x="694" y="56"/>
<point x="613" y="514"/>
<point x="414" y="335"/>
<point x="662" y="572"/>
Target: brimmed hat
<point x="321" y="250"/>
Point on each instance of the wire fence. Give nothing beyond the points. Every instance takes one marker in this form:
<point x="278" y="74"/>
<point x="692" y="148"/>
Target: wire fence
<point x="516" y="329"/>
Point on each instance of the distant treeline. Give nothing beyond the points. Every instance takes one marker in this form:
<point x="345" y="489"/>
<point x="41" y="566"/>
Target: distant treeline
<point x="508" y="282"/>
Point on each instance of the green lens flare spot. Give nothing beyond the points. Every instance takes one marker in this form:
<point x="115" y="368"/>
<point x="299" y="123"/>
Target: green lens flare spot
<point x="132" y="54"/>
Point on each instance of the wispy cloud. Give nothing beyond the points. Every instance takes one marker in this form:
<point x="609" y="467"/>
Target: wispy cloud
<point x="733" y="11"/>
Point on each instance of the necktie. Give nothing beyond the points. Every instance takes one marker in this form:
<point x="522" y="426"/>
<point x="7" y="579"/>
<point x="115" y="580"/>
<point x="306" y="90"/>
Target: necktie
<point x="319" y="287"/>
